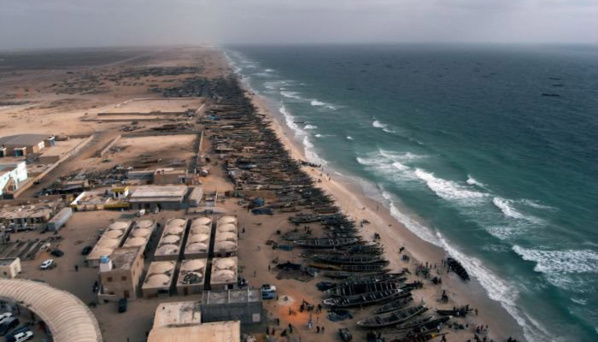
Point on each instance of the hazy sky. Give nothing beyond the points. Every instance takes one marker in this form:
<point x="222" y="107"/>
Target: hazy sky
<point x="66" y="23"/>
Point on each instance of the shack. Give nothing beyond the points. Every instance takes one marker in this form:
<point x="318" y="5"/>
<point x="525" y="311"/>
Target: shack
<point x="60" y="219"/>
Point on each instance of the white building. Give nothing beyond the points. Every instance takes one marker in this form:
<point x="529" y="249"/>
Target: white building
<point x="12" y="175"/>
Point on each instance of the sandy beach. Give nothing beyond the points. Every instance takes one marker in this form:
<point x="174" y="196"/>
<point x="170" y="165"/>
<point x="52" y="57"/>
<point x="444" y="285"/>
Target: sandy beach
<point x="394" y="235"/>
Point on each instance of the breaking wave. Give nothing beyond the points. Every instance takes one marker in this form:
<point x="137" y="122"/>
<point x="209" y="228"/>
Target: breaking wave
<point x="310" y="127"/>
<point x="448" y="190"/>
<point x="291" y="94"/>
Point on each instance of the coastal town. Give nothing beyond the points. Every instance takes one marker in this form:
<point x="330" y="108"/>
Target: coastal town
<point x="149" y="195"/>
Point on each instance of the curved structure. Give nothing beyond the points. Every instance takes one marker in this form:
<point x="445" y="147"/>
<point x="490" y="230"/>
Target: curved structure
<point x="68" y="319"/>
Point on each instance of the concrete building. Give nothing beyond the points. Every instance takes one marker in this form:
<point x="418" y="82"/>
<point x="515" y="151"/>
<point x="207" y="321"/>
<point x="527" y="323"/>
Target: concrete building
<point x="192" y="276"/>
<point x="169" y="246"/>
<point x="22" y="144"/>
<point x="111" y="239"/>
<point x="243" y="305"/>
<point x="27" y="216"/>
<point x="224" y="273"/>
<point x="182" y="322"/>
<point x="12" y="175"/>
<point x="160" y="197"/>
<point x="158" y="280"/>
<point x="120" y="274"/>
<point x="198" y="241"/>
<point x="195" y="196"/>
<point x="171" y="176"/>
<point x="10" y="267"/>
<point x="226" y="236"/>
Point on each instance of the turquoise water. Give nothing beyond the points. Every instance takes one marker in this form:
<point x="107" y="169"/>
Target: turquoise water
<point x="487" y="161"/>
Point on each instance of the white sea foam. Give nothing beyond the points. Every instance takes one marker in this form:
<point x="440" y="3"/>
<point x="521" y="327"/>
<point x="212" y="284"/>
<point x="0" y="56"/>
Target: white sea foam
<point x="291" y="95"/>
<point x="535" y="204"/>
<point x="349" y="137"/>
<point x="506" y="207"/>
<point x="391" y="165"/>
<point x="449" y="190"/>
<point x="417" y="228"/>
<point x="269" y="70"/>
<point x="317" y="103"/>
<point x="473" y="181"/>
<point x="388" y="130"/>
<point x="560" y="261"/>
<point x="379" y="124"/>
<point x="310" y="127"/>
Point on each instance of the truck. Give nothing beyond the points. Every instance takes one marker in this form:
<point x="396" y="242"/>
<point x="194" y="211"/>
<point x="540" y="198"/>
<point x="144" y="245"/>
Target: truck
<point x="268" y="291"/>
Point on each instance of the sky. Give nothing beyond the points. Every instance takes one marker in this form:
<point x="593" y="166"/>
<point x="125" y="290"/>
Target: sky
<point x="87" y="23"/>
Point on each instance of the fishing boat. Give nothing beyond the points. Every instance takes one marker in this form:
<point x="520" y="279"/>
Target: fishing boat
<point x="355" y="259"/>
<point x="325" y="242"/>
<point x="362" y="299"/>
<point x="395" y="317"/>
<point x="457" y="312"/>
<point x="456" y="267"/>
<point x="364" y="268"/>
<point x="348" y="275"/>
<point x="414" y="323"/>
<point x="396" y="304"/>
<point x="428" y="326"/>
<point x="360" y="288"/>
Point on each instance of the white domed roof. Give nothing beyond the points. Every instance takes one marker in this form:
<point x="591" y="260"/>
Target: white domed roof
<point x="157" y="280"/>
<point x="193" y="265"/>
<point x="140" y="232"/>
<point x="199" y="238"/>
<point x="226" y="237"/>
<point x="167" y="249"/>
<point x="225" y="246"/>
<point x="145" y="223"/>
<point x="118" y="225"/>
<point x="227" y="219"/>
<point x="223" y="276"/>
<point x="200" y="229"/>
<point x="113" y="234"/>
<point x="173" y="230"/>
<point x="225" y="263"/>
<point x="135" y="242"/>
<point x="197" y="247"/>
<point x="227" y="227"/>
<point x="108" y="243"/>
<point x="171" y="239"/>
<point x="202" y="220"/>
<point x="176" y="222"/>
<point x="162" y="267"/>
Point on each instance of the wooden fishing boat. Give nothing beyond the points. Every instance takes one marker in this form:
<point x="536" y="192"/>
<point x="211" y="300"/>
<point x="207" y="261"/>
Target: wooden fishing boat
<point x="360" y="288"/>
<point x="347" y="275"/>
<point x="456" y="267"/>
<point x="362" y="299"/>
<point x="395" y="317"/>
<point x="396" y="304"/>
<point x="325" y="242"/>
<point x="364" y="268"/>
<point x="355" y="259"/>
<point x="414" y="323"/>
<point x="428" y="326"/>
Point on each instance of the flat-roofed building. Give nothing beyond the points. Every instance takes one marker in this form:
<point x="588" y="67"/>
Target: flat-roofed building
<point x="158" y="196"/>
<point x="192" y="276"/>
<point x="224" y="273"/>
<point x="182" y="322"/>
<point x="158" y="280"/>
<point x="27" y="216"/>
<point x="10" y="267"/>
<point x="243" y="305"/>
<point x="120" y="274"/>
<point x="12" y="175"/>
<point x="21" y="144"/>
<point x="140" y="234"/>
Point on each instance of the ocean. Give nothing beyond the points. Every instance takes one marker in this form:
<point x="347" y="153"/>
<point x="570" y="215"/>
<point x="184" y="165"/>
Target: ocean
<point x="490" y="152"/>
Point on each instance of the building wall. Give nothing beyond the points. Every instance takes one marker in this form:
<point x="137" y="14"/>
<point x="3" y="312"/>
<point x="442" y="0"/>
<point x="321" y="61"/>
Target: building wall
<point x="247" y="313"/>
<point x="11" y="270"/>
<point x="123" y="283"/>
<point x="18" y="174"/>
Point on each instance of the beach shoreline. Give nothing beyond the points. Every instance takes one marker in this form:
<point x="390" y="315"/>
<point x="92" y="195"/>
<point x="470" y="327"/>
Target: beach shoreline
<point x="354" y="203"/>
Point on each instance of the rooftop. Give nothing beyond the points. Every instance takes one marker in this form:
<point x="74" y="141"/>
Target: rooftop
<point x="159" y="275"/>
<point x="123" y="258"/>
<point x="229" y="331"/>
<point x="177" y="313"/>
<point x="23" y="139"/>
<point x="231" y="296"/>
<point x="163" y="191"/>
<point x="7" y="261"/>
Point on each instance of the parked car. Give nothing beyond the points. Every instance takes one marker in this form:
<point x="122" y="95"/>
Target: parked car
<point x="22" y="333"/>
<point x="57" y="253"/>
<point x="19" y="337"/>
<point x="7" y="325"/>
<point x="48" y="264"/>
<point x="4" y="316"/>
<point x="86" y="250"/>
<point x="122" y="305"/>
